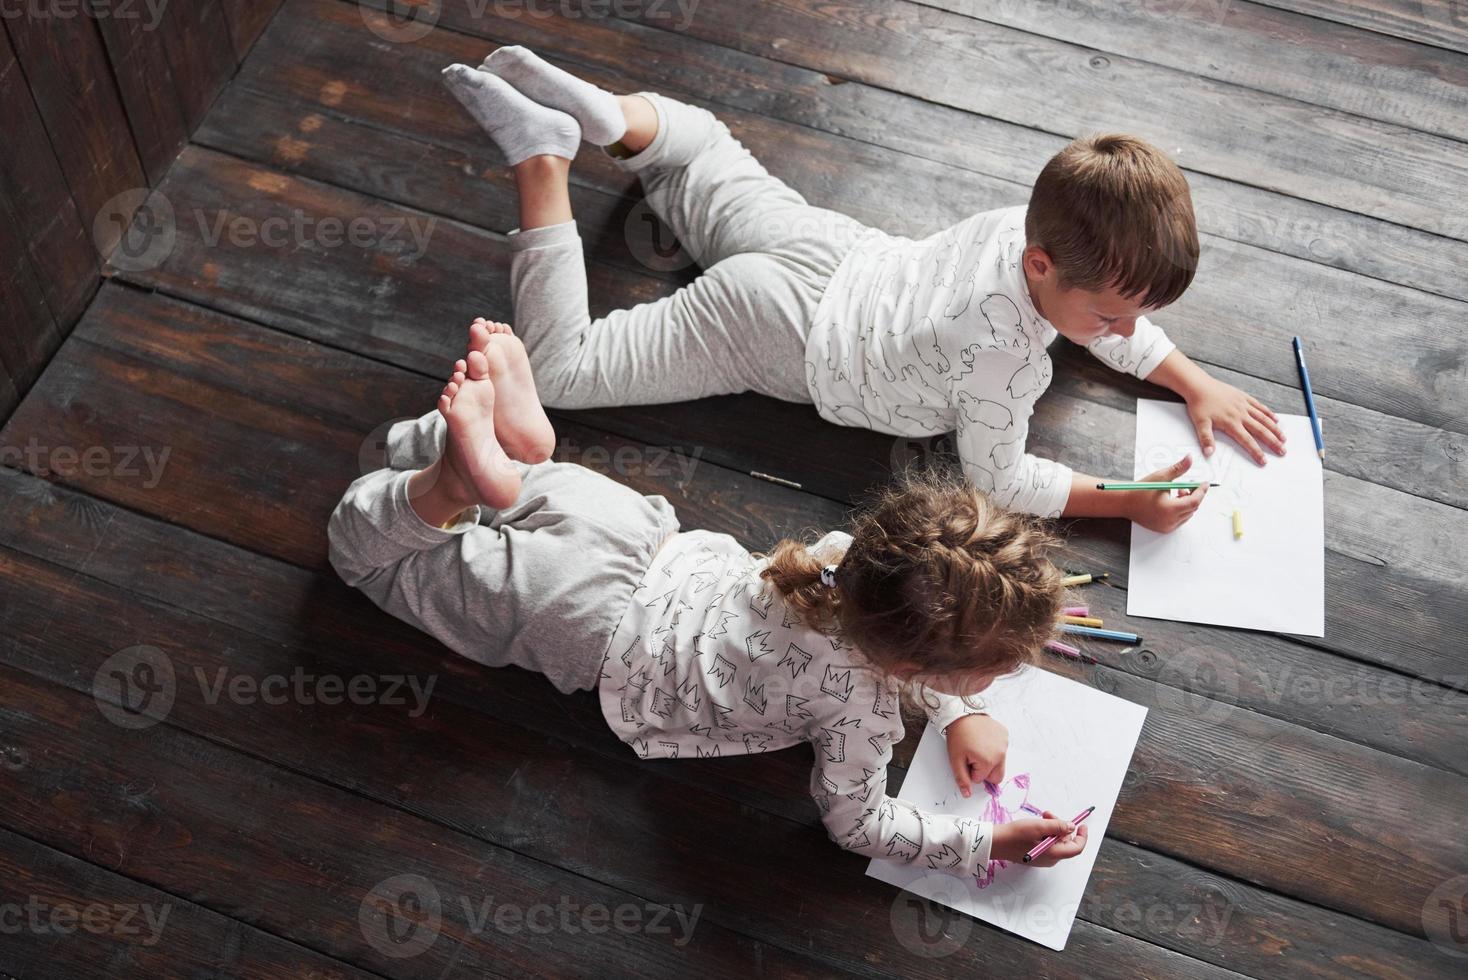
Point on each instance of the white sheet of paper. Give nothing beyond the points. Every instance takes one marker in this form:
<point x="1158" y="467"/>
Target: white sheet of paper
<point x="1272" y="578"/>
<point x="1075" y="743"/>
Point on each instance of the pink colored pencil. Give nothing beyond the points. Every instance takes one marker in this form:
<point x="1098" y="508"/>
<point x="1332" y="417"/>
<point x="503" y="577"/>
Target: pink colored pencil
<point x="1044" y="845"/>
<point x="1066" y="650"/>
<point x="1076" y="611"/>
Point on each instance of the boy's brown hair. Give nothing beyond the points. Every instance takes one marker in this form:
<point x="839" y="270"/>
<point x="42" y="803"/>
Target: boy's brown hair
<point x="1113" y="210"/>
<point x="937" y="575"/>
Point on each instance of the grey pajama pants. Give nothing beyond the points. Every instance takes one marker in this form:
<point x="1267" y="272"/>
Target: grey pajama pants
<point x="741" y="326"/>
<point x="543" y="584"/>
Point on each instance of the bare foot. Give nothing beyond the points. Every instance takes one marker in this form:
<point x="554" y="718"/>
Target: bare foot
<point x="520" y="423"/>
<point x="472" y="455"/>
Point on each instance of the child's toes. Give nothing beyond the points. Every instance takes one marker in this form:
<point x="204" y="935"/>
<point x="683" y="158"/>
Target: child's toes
<point x="478" y="365"/>
<point x="478" y="336"/>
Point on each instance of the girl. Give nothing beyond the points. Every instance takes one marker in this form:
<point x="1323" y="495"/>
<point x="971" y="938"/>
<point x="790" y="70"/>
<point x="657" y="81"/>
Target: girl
<point x="696" y="647"/>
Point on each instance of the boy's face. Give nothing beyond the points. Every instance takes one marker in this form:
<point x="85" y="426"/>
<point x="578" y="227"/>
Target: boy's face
<point x="1079" y="315"/>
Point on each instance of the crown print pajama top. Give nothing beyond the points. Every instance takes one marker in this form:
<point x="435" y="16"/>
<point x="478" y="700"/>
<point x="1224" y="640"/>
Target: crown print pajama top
<point x="708" y="662"/>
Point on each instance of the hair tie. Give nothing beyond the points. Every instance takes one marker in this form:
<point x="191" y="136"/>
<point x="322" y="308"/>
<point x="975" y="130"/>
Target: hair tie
<point x="828" y="576"/>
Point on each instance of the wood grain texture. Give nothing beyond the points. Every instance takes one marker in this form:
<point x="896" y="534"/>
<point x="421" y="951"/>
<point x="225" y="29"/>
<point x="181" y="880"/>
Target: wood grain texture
<point x="56" y="237"/>
<point x="136" y="930"/>
<point x="66" y="67"/>
<point x="1439" y="22"/>
<point x="1195" y="752"/>
<point x="1241" y="312"/>
<point x="247" y="21"/>
<point x="137" y="52"/>
<point x="1260" y="47"/>
<point x="1334" y="158"/>
<point x="319" y="294"/>
<point x="1226" y="919"/>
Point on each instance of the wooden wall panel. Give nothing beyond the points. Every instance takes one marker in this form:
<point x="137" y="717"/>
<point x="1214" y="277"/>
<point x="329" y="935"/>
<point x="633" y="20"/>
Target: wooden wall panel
<point x="95" y="106"/>
<point x="247" y="20"/>
<point x="66" y="66"/>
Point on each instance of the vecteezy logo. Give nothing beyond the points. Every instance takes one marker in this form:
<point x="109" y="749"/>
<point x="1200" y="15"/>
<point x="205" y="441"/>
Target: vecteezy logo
<point x="135" y="688"/>
<point x="136" y="230"/>
<point x="1445" y="916"/>
<point x="652" y="242"/>
<point x="929" y="926"/>
<point x="402" y="916"/>
<point x="402" y="21"/>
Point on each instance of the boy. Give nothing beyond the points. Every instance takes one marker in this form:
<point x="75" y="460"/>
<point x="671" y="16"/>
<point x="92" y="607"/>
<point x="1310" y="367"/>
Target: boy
<point x="801" y="303"/>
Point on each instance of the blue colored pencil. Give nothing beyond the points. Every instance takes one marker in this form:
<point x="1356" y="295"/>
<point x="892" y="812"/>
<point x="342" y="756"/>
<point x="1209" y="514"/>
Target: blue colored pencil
<point x="1093" y="632"/>
<point x="1309" y="397"/>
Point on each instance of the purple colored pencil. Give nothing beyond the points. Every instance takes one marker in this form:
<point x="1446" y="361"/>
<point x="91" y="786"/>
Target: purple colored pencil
<point x="1044" y="845"/>
<point x="1076" y="611"/>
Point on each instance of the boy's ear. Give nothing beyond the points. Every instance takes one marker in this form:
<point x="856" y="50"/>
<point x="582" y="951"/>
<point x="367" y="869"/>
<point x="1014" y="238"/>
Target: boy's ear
<point x="1037" y="261"/>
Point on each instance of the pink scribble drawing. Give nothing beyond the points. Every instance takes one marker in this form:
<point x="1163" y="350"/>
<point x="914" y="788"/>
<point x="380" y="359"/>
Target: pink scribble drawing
<point x="1009" y="800"/>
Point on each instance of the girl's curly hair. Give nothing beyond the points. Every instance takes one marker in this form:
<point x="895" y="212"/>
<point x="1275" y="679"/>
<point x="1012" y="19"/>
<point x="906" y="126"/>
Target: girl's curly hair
<point x="936" y="575"/>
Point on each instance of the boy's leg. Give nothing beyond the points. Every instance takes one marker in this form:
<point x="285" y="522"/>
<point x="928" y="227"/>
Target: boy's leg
<point x="720" y="201"/>
<point x="739" y="327"/>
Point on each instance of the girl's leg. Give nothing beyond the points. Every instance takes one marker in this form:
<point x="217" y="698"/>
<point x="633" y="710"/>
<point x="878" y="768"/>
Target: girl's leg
<point x="540" y="584"/>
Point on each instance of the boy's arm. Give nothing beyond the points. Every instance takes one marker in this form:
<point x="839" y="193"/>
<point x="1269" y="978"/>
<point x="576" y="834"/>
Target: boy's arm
<point x="993" y="403"/>
<point x="1214" y="404"/>
<point x="1138" y="355"/>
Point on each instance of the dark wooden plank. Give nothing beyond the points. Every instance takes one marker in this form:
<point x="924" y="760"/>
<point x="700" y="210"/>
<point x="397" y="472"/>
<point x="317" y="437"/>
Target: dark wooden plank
<point x="247" y="21"/>
<point x="56" y="237"/>
<point x="1258" y="46"/>
<point x="196" y="40"/>
<point x="297" y="858"/>
<point x="1191" y="911"/>
<point x="134" y="930"/>
<point x="1439" y="22"/>
<point x="364" y="153"/>
<point x="320" y="291"/>
<point x="1194" y="752"/>
<point x="1416" y="371"/>
<point x="149" y="91"/>
<point x="28" y="333"/>
<point x="66" y="67"/>
<point x="630" y="55"/>
<point x="940" y="56"/>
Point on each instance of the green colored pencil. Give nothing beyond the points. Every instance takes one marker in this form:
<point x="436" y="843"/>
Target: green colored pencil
<point x="1151" y="486"/>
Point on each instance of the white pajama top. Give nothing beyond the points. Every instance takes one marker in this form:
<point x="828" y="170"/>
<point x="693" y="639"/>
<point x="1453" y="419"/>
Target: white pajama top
<point x="918" y="338"/>
<point x="708" y="662"/>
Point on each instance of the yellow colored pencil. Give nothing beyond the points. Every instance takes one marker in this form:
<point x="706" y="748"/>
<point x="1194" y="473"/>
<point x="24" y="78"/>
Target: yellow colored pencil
<point x="1076" y="580"/>
<point x="1082" y="620"/>
<point x="1238" y="525"/>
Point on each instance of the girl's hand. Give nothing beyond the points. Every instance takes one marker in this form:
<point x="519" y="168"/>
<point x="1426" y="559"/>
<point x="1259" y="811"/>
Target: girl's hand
<point x="977" y="745"/>
<point x="1012" y="841"/>
<point x="1217" y="405"/>
<point x="1160" y="510"/>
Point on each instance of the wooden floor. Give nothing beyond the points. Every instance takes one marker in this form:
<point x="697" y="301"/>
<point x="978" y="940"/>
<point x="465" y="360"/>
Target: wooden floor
<point x="1295" y="807"/>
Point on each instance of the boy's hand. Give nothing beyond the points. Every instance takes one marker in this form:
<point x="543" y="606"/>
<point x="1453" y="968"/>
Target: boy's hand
<point x="1012" y="841"/>
<point x="1217" y="405"/>
<point x="977" y="745"/>
<point x="1161" y="510"/>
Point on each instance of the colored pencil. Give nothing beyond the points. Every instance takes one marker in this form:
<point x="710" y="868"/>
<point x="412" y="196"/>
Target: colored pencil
<point x="1116" y="635"/>
<point x="1154" y="485"/>
<point x="1238" y="525"/>
<point x="1082" y="620"/>
<point x="1076" y="611"/>
<point x="1309" y="397"/>
<point x="1066" y="650"/>
<point x="1044" y="845"/>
